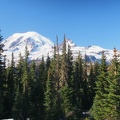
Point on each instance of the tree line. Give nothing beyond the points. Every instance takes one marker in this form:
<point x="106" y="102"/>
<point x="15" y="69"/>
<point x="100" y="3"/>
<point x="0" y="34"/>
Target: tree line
<point x="59" y="88"/>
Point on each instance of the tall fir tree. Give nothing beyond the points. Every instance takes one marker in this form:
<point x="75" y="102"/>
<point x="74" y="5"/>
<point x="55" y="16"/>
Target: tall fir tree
<point x="113" y="98"/>
<point x="91" y="85"/>
<point x="50" y="101"/>
<point x="98" y="108"/>
<point x="78" y="79"/>
<point x="65" y="90"/>
<point x="17" y="109"/>
<point x="37" y="77"/>
<point x="63" y="71"/>
<point x="42" y="73"/>
<point x="55" y="71"/>
<point x="84" y="100"/>
<point x="2" y="77"/>
<point x="37" y="99"/>
<point x="25" y="83"/>
<point x="47" y="65"/>
<point x="36" y="94"/>
<point x="10" y="88"/>
<point x="31" y="84"/>
<point x="71" y="81"/>
<point x="22" y="89"/>
<point x="70" y="67"/>
<point x="32" y="76"/>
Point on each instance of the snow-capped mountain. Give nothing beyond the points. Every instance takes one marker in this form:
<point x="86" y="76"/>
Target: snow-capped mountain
<point x="39" y="46"/>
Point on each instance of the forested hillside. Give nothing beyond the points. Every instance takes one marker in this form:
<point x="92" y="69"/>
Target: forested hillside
<point x="59" y="88"/>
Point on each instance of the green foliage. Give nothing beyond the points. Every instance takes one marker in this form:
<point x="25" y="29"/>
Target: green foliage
<point x="37" y="101"/>
<point x="10" y="88"/>
<point x="22" y="88"/>
<point x="91" y="84"/>
<point x="42" y="73"/>
<point x="66" y="97"/>
<point x="63" y="69"/>
<point x="2" y="78"/>
<point x="60" y="88"/>
<point x="49" y="99"/>
<point x="113" y="98"/>
<point x="78" y="89"/>
<point x="100" y="102"/>
<point x="17" y="109"/>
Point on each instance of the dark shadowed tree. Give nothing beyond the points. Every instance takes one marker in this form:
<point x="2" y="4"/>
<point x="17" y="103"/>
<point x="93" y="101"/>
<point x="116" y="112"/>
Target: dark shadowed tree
<point x="2" y="78"/>
<point x="10" y="88"/>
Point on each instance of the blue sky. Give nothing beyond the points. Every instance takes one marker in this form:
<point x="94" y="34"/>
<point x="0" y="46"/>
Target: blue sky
<point x="86" y="22"/>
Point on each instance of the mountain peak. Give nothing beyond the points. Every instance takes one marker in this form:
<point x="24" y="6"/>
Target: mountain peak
<point x="28" y="34"/>
<point x="31" y="34"/>
<point x="37" y="44"/>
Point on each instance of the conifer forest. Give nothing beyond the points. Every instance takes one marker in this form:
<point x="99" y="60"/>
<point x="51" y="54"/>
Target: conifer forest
<point x="59" y="88"/>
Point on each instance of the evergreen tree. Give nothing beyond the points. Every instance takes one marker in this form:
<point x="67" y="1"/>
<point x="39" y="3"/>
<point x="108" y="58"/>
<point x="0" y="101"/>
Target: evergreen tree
<point x="22" y="88"/>
<point x="37" y="100"/>
<point x="102" y="84"/>
<point x="2" y="77"/>
<point x="113" y="98"/>
<point x="42" y="73"/>
<point x="91" y="85"/>
<point x="65" y="90"/>
<point x="96" y="71"/>
<point x="50" y="103"/>
<point x="25" y="83"/>
<point x="37" y="88"/>
<point x="47" y="63"/>
<point x="17" y="109"/>
<point x="70" y="67"/>
<point x="66" y="104"/>
<point x="57" y="66"/>
<point x="10" y="88"/>
<point x="17" y="106"/>
<point x="32" y="76"/>
<point x="63" y="71"/>
<point x="85" y="102"/>
<point x="36" y="94"/>
<point x="55" y="71"/>
<point x="31" y="82"/>
<point x="71" y="83"/>
<point x="78" y="79"/>
<point x="47" y="66"/>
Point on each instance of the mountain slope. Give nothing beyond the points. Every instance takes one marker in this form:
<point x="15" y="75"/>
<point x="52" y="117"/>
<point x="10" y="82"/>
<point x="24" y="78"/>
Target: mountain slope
<point x="39" y="46"/>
